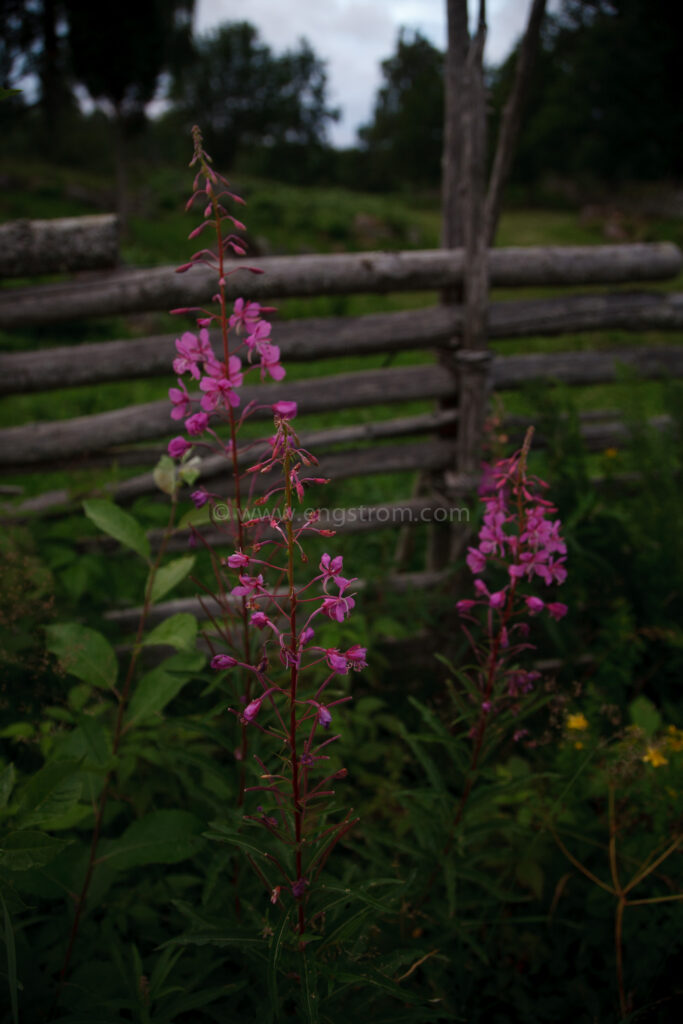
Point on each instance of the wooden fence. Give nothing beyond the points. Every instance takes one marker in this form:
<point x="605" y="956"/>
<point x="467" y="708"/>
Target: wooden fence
<point x="424" y="443"/>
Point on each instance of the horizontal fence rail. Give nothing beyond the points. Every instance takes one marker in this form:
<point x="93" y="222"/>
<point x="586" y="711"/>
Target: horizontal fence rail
<point x="202" y="607"/>
<point x="328" y="337"/>
<point x="162" y="288"/>
<point x="40" y="443"/>
<point x="599" y="429"/>
<point x="29" y="248"/>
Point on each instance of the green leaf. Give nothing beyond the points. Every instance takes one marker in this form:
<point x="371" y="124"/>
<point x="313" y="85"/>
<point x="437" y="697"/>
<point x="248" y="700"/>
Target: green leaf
<point x="645" y="715"/>
<point x="162" y="837"/>
<point x="24" y="849"/>
<point x="7" y="779"/>
<point x="179" y="631"/>
<point x="530" y="875"/>
<point x="169" y="576"/>
<point x="308" y="987"/>
<point x="190" y="471"/>
<point x="215" y="937"/>
<point x="118" y="524"/>
<point x="164" y="475"/>
<point x="51" y="792"/>
<point x="157" y="688"/>
<point x="17" y="731"/>
<point x="196" y="517"/>
<point x="83" y="653"/>
<point x="273" y="959"/>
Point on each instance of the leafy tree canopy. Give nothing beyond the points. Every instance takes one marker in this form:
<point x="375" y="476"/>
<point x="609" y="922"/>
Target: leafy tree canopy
<point x="119" y="57"/>
<point x="404" y="140"/>
<point x="604" y="100"/>
<point x="243" y="95"/>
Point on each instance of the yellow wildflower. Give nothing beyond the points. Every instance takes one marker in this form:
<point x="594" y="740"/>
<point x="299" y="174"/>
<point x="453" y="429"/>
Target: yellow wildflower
<point x="578" y="745"/>
<point x="579" y="722"/>
<point x="674" y="740"/>
<point x="611" y="453"/>
<point x="655" y="757"/>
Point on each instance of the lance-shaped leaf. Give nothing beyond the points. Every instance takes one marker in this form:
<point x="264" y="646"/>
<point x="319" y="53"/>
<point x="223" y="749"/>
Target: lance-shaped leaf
<point x="50" y="793"/>
<point x="118" y="524"/>
<point x="25" y="849"/>
<point x="83" y="653"/>
<point x="162" y="837"/>
<point x="169" y="576"/>
<point x="158" y="687"/>
<point x="179" y="631"/>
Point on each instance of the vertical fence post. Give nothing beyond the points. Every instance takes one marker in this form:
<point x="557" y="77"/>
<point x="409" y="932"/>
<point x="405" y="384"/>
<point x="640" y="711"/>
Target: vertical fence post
<point x="452" y="223"/>
<point x="471" y="380"/>
<point x="463" y="204"/>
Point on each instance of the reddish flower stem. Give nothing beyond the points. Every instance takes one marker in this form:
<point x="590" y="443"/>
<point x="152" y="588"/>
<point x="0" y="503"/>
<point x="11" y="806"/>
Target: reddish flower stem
<point x="244" y="614"/>
<point x="294" y="675"/>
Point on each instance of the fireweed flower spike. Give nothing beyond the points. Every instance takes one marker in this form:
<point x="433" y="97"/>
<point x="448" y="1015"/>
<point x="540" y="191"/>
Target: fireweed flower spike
<point x="244" y="347"/>
<point x="293" y="707"/>
<point x="520" y="535"/>
<point x="283" y="687"/>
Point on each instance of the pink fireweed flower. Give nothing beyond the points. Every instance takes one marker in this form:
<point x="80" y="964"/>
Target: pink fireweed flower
<point x="258" y="337"/>
<point x="180" y="400"/>
<point x="270" y="362"/>
<point x="252" y="709"/>
<point x="534" y="605"/>
<point x="200" y="498"/>
<point x="557" y="610"/>
<point x="355" y="657"/>
<point x="260" y="620"/>
<point x="193" y="350"/>
<point x="553" y="571"/>
<point x="286" y="410"/>
<point x="338" y="608"/>
<point x="336" y="661"/>
<point x="244" y="315"/>
<point x="196" y="424"/>
<point x="220" y="385"/>
<point x="178" y="447"/>
<point x="323" y="715"/>
<point x="221" y="661"/>
<point x="331" y="569"/>
<point x="491" y="536"/>
<point x="238" y="561"/>
<point x="249" y="585"/>
<point x="476" y="562"/>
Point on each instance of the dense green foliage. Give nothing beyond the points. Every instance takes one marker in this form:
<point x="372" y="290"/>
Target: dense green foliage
<point x="415" y="920"/>
<point x="404" y="140"/>
<point x="602" y="106"/>
<point x="248" y="98"/>
<point x="602" y="103"/>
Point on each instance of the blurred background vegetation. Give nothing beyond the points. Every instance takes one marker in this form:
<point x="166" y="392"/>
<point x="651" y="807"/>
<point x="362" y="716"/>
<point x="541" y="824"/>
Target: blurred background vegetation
<point x="603" y="108"/>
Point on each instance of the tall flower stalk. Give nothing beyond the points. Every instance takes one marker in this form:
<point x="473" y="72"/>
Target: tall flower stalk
<point x="220" y="378"/>
<point x="294" y="676"/>
<point x="285" y="669"/>
<point x="520" y="536"/>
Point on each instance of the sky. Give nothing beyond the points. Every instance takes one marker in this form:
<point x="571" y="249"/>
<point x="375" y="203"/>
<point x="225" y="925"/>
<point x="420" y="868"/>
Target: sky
<point x="354" y="36"/>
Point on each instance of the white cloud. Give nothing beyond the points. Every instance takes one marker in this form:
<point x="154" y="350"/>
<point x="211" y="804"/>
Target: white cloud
<point x="354" y="36"/>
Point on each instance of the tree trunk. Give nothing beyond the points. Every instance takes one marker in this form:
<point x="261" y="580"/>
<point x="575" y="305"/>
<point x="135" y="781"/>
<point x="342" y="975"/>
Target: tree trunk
<point x="512" y="118"/>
